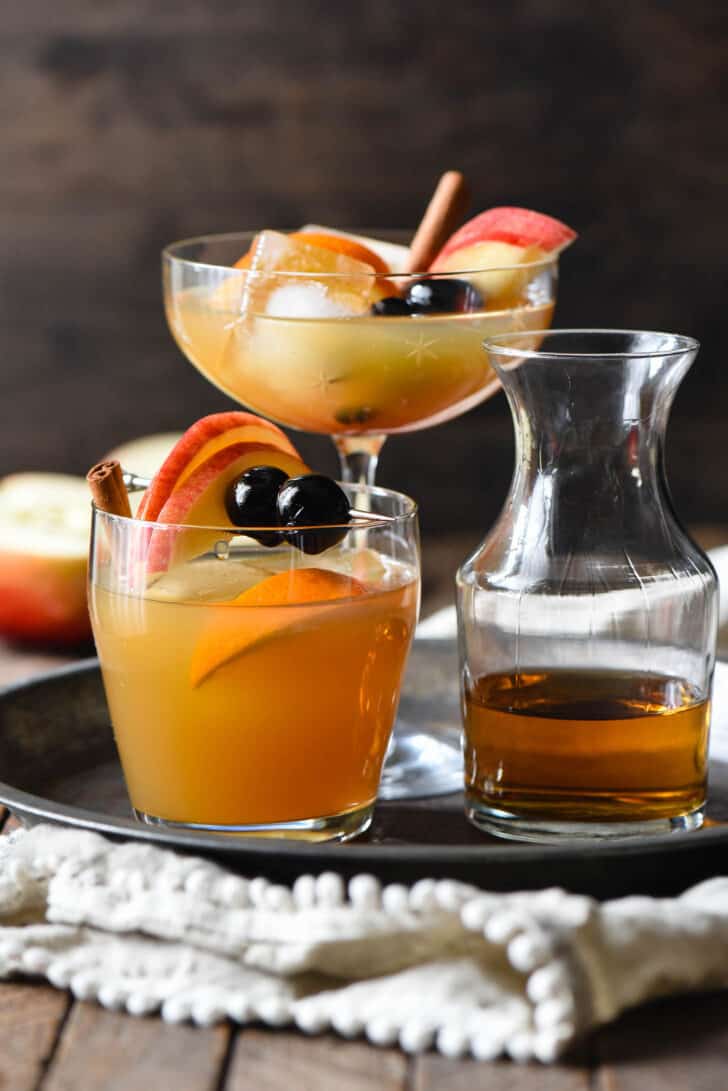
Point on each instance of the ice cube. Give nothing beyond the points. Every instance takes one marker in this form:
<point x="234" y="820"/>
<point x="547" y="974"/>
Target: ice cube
<point x="306" y="300"/>
<point x="278" y="260"/>
<point x="363" y="564"/>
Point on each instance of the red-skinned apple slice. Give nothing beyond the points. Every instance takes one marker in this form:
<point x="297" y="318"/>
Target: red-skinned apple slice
<point x="44" y="534"/>
<point x="200" y="501"/>
<point x="493" y="244"/>
<point x="517" y="226"/>
<point x="199" y="443"/>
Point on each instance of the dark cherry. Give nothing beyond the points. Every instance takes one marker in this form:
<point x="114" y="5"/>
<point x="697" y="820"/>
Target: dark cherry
<point x="392" y="305"/>
<point x="443" y="295"/>
<point x="250" y="501"/>
<point x="360" y="414"/>
<point x="310" y="501"/>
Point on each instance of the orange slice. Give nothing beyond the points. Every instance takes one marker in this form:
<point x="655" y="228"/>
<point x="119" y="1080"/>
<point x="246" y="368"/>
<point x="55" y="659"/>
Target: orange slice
<point x="342" y="245"/>
<point x="339" y="244"/>
<point x="235" y="631"/>
<point x="301" y="585"/>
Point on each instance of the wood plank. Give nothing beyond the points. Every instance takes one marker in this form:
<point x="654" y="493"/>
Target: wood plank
<point x="680" y="1044"/>
<point x="117" y="1052"/>
<point x="436" y="1073"/>
<point x="30" y="1019"/>
<point x="281" y="1061"/>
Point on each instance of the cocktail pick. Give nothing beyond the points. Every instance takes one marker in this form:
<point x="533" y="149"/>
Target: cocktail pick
<point x="443" y="214"/>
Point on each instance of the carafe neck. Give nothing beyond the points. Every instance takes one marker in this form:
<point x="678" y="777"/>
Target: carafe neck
<point x="589" y="443"/>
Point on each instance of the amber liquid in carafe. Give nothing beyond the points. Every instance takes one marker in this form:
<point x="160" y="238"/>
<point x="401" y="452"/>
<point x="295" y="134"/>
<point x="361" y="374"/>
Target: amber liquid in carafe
<point x="601" y="745"/>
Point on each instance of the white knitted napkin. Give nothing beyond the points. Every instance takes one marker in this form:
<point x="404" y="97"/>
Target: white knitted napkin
<point x="136" y="927"/>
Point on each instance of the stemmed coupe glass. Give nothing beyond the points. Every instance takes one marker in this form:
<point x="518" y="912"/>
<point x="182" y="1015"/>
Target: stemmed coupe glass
<point x="282" y="344"/>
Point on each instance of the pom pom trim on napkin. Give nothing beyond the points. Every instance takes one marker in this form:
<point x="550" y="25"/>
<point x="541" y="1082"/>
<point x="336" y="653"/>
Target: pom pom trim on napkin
<point x="440" y="964"/>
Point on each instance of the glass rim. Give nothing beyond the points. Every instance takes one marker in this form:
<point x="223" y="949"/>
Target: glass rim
<point x="500" y="344"/>
<point x="362" y="520"/>
<point x="169" y="255"/>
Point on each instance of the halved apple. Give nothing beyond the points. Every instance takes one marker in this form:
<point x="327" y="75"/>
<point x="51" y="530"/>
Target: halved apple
<point x="233" y="632"/>
<point x="200" y="502"/>
<point x="144" y="455"/>
<point x="199" y="443"/>
<point x="44" y="536"/>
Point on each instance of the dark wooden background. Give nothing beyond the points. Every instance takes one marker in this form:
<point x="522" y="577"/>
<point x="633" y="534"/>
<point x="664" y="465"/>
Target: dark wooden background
<point x="129" y="123"/>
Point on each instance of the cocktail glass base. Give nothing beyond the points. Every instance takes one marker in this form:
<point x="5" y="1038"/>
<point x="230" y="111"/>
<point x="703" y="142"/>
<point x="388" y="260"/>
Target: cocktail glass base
<point x="545" y="830"/>
<point x="418" y="764"/>
<point x="334" y="827"/>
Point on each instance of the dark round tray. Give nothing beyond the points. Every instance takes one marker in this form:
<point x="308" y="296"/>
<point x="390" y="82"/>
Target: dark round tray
<point x="58" y="764"/>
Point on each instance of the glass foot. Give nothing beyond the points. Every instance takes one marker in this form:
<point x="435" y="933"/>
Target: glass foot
<point x="420" y="764"/>
<point x="515" y="827"/>
<point x="335" y="827"/>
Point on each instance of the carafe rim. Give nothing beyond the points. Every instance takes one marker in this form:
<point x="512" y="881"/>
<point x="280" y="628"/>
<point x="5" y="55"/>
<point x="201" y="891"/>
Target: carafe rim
<point x="507" y="347"/>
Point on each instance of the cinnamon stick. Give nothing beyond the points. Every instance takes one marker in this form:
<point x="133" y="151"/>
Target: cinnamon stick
<point x="444" y="213"/>
<point x="106" y="482"/>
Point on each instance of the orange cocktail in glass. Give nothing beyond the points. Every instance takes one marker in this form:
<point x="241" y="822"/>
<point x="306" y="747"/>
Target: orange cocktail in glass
<point x="295" y="345"/>
<point x="252" y="689"/>
<point x="339" y="333"/>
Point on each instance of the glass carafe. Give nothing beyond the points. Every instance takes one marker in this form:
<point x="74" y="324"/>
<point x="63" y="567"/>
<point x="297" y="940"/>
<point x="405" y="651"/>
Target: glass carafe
<point x="587" y="618"/>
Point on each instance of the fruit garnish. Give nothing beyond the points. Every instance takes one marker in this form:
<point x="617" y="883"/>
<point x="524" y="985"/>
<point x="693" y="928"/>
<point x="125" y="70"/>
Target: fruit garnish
<point x="343" y="244"/>
<point x="393" y="254"/>
<point x="392" y="305"/>
<point x="338" y="242"/>
<point x="359" y="414"/>
<point x="251" y="500"/>
<point x="236" y="629"/>
<point x="520" y="227"/>
<point x="200" y="502"/>
<point x="203" y="439"/>
<point x="299" y="585"/>
<point x="490" y="248"/>
<point x="443" y="295"/>
<point x="276" y="259"/>
<point x="44" y="541"/>
<point x="313" y="500"/>
<point x="432" y="295"/>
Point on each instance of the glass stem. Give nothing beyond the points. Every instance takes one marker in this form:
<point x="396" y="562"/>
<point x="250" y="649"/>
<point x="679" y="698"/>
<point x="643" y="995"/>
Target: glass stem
<point x="359" y="456"/>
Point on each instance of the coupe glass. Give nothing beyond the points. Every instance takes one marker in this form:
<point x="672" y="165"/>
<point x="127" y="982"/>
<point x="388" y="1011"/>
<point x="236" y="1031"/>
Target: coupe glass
<point x="357" y="378"/>
<point x="253" y="690"/>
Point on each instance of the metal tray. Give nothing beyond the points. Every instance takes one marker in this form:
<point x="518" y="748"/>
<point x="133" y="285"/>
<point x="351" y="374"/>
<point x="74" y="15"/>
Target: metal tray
<point x="58" y="764"/>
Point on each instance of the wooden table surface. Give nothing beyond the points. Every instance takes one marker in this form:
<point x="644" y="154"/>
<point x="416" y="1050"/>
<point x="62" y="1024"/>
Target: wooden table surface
<point x="51" y="1042"/>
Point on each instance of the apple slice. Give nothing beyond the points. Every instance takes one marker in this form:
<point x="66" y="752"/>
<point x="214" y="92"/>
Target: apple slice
<point x="203" y="439"/>
<point x="233" y="632"/>
<point x="518" y="226"/>
<point x="200" y="502"/>
<point x="44" y="541"/>
<point x="490" y="247"/>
